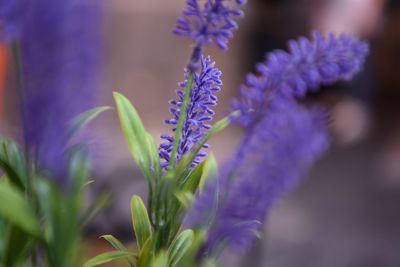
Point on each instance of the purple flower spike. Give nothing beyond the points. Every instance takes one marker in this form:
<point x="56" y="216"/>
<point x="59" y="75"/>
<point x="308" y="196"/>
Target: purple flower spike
<point x="211" y="22"/>
<point x="279" y="151"/>
<point x="199" y="111"/>
<point x="282" y="138"/>
<point x="61" y="43"/>
<point x="308" y="65"/>
<point x="11" y="16"/>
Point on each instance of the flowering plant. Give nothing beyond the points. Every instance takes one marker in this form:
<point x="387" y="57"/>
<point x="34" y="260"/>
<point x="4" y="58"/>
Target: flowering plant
<point x="194" y="209"/>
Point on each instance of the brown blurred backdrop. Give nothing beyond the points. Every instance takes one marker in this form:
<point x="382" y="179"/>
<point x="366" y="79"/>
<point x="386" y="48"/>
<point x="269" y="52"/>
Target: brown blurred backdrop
<point x="346" y="213"/>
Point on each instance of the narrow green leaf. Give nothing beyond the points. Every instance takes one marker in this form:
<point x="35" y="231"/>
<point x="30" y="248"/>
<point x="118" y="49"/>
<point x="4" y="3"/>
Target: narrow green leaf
<point x="98" y="204"/>
<point x="12" y="162"/>
<point x="153" y="156"/>
<point x="146" y="253"/>
<point x="107" y="257"/>
<point x="83" y="119"/>
<point x="114" y="242"/>
<point x="210" y="170"/>
<point x="18" y="246"/>
<point x="118" y="246"/>
<point x="137" y="138"/>
<point x="17" y="211"/>
<point x="192" y="181"/>
<point x="181" y="119"/>
<point x="140" y="221"/>
<point x="160" y="260"/>
<point x="180" y="246"/>
<point x="185" y="198"/>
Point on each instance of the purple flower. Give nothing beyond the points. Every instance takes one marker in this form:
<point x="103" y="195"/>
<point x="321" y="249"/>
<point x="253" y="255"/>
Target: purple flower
<point x="11" y="16"/>
<point x="199" y="112"/>
<point x="277" y="153"/>
<point x="211" y="22"/>
<point x="308" y="65"/>
<point x="61" y="44"/>
<point x="281" y="141"/>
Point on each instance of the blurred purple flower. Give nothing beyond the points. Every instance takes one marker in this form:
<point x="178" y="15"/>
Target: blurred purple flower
<point x="61" y="46"/>
<point x="309" y="65"/>
<point x="281" y="141"/>
<point x="205" y="83"/>
<point x="278" y="152"/>
<point x="210" y="22"/>
<point x="11" y="16"/>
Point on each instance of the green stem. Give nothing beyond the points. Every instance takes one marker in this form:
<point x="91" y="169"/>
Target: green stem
<point x="16" y="53"/>
<point x="181" y="120"/>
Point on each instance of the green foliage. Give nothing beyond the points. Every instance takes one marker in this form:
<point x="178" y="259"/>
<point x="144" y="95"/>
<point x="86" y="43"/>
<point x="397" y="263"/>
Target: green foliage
<point x="83" y="119"/>
<point x="114" y="242"/>
<point x="160" y="240"/>
<point x="107" y="257"/>
<point x="13" y="163"/>
<point x="140" y="221"/>
<point x="17" y="211"/>
<point x="38" y="215"/>
<point x="179" y="247"/>
<point x="139" y="141"/>
<point x="160" y="260"/>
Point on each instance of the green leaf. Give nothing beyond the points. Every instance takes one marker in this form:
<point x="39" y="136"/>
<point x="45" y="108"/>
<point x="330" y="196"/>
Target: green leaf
<point x="107" y="257"/>
<point x="17" y="211"/>
<point x="114" y="242"/>
<point x="192" y="182"/>
<point x="153" y="155"/>
<point x="118" y="246"/>
<point x="185" y="198"/>
<point x="140" y="221"/>
<point x="180" y="246"/>
<point x="160" y="260"/>
<point x="18" y="246"/>
<point x="139" y="141"/>
<point x="12" y="162"/>
<point x="98" y="204"/>
<point x="83" y="119"/>
<point x="146" y="253"/>
<point x="79" y="169"/>
<point x="210" y="170"/>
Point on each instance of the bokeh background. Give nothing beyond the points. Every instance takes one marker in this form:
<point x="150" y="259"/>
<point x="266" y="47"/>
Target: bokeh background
<point x="346" y="212"/>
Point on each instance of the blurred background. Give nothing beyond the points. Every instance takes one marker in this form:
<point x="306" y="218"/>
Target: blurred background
<point x="346" y="212"/>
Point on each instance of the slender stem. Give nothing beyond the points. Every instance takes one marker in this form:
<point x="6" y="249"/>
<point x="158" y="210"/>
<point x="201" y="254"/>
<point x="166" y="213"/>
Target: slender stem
<point x="181" y="119"/>
<point x="16" y="52"/>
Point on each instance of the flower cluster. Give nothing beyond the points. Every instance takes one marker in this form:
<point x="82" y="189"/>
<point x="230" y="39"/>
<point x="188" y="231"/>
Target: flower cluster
<point x="308" y="65"/>
<point x="198" y="112"/>
<point x="211" y="22"/>
<point x="282" y="138"/>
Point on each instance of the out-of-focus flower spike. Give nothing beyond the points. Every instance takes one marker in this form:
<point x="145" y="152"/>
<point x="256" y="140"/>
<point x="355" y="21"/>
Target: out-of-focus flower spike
<point x="279" y="151"/>
<point x="61" y="43"/>
<point x="211" y="22"/>
<point x="310" y="64"/>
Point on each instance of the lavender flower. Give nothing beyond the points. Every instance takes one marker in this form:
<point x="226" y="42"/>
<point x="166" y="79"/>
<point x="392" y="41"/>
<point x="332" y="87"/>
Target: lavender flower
<point x="61" y="48"/>
<point x="309" y="64"/>
<point x="11" y="15"/>
<point x="211" y="22"/>
<point x="199" y="111"/>
<point x="282" y="138"/>
<point x="277" y="153"/>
